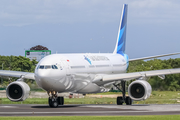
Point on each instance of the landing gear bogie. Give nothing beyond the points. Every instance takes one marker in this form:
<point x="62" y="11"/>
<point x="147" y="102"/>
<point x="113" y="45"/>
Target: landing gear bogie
<point x="123" y="99"/>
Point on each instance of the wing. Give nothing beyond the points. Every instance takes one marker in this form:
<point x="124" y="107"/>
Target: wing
<point x="134" y="75"/>
<point x="144" y="58"/>
<point x="18" y="74"/>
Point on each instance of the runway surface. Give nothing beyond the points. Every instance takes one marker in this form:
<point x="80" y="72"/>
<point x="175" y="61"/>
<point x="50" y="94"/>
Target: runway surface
<point x="88" y="110"/>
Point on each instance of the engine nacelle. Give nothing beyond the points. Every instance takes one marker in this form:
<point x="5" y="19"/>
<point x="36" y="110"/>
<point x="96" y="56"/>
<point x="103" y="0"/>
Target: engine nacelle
<point x="139" y="90"/>
<point x="17" y="91"/>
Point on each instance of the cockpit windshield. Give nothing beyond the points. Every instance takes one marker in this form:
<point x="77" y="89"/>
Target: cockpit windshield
<point x="54" y="67"/>
<point x="41" y="67"/>
<point x="47" y="67"/>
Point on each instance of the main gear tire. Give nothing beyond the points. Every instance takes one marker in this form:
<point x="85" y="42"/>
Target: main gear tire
<point x="120" y="100"/>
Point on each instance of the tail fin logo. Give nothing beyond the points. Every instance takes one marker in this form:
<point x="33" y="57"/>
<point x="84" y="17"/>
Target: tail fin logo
<point x="120" y="45"/>
<point x="87" y="59"/>
<point x="121" y="39"/>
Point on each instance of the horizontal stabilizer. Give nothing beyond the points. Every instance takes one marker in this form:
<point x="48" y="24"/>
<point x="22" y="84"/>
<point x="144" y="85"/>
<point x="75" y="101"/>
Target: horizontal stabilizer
<point x="150" y="57"/>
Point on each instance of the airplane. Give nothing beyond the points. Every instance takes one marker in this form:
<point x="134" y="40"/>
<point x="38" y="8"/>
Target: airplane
<point x="87" y="73"/>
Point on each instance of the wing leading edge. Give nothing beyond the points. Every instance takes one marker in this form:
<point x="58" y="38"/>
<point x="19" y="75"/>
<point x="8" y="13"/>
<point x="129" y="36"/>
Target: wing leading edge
<point x="135" y="75"/>
<point x="18" y="74"/>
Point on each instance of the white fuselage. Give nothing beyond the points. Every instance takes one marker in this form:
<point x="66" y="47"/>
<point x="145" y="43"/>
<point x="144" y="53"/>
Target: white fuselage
<point x="76" y="72"/>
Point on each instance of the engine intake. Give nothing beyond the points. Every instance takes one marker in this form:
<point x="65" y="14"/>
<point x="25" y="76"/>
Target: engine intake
<point x="139" y="90"/>
<point x="17" y="91"/>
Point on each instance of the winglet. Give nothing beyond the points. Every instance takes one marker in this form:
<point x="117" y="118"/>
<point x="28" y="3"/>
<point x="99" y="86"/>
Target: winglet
<point x="121" y="38"/>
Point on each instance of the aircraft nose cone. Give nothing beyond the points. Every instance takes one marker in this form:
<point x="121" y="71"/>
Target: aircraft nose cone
<point x="48" y="81"/>
<point x="42" y="74"/>
<point x="44" y="79"/>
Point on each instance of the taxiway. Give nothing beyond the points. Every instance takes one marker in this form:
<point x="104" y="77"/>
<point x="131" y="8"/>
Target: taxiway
<point x="83" y="110"/>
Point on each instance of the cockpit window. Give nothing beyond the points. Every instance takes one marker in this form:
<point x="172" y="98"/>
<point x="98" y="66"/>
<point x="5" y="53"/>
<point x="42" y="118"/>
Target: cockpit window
<point x="41" y="67"/>
<point x="54" y="67"/>
<point x="47" y="67"/>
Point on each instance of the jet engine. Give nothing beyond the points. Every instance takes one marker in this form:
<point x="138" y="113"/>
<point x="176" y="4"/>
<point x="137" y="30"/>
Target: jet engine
<point x="17" y="91"/>
<point x="139" y="90"/>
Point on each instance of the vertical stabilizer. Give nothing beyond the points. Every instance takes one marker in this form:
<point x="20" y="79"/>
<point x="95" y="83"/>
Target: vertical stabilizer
<point x="121" y="38"/>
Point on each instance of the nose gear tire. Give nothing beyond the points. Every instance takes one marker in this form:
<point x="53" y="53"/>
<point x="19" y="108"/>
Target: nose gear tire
<point x="53" y="103"/>
<point x="60" y="100"/>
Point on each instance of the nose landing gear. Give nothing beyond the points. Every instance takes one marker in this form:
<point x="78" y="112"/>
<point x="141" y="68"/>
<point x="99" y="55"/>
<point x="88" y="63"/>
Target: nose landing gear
<point x="54" y="100"/>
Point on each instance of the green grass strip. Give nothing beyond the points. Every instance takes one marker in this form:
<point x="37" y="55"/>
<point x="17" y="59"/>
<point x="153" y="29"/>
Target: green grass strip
<point x="157" y="97"/>
<point x="149" y="117"/>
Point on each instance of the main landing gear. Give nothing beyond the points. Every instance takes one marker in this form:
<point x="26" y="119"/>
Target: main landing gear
<point x="54" y="100"/>
<point x="123" y="99"/>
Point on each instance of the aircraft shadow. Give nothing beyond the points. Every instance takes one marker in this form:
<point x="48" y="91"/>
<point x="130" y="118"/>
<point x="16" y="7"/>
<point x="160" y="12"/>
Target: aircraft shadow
<point x="140" y="105"/>
<point x="60" y="106"/>
<point x="71" y="106"/>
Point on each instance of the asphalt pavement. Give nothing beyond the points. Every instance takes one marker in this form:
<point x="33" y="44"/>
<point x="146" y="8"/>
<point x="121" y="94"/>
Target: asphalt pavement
<point x="88" y="110"/>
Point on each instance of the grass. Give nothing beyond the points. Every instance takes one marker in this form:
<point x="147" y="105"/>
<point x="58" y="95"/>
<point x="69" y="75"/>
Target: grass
<point x="162" y="97"/>
<point x="157" y="97"/>
<point x="85" y="100"/>
<point x="154" y="117"/>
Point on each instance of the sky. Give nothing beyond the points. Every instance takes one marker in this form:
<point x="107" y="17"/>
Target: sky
<point x="89" y="26"/>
